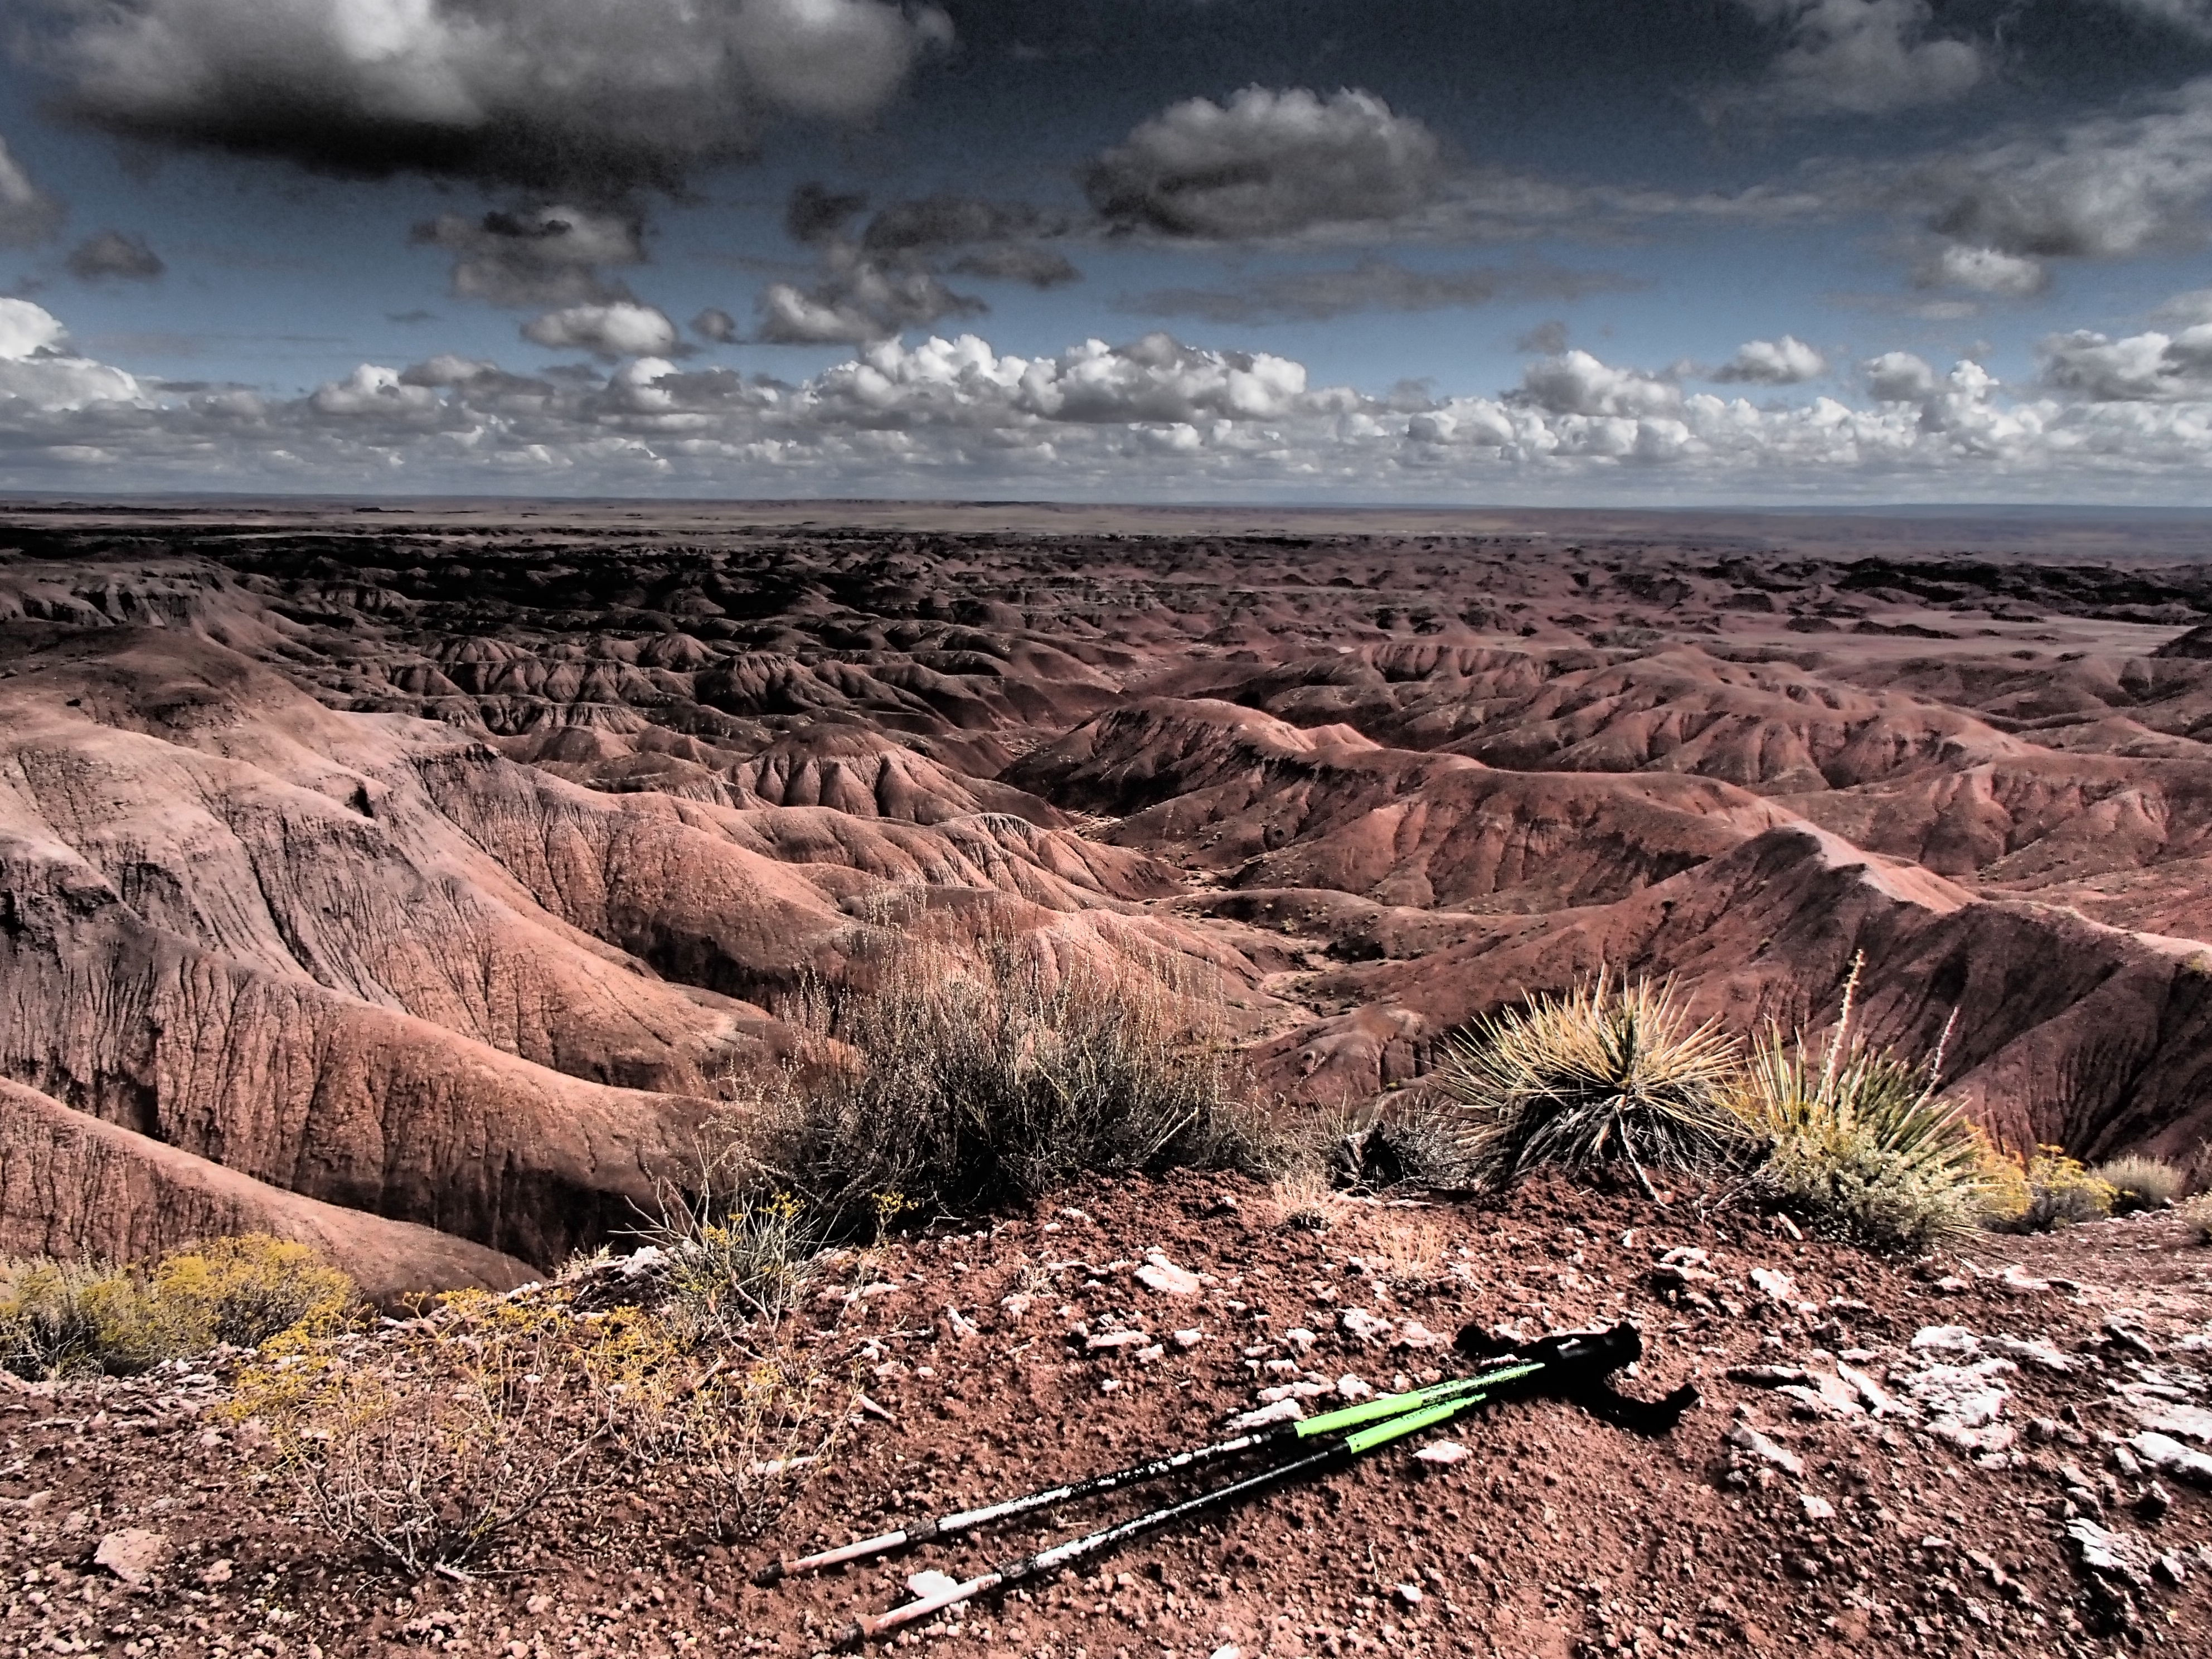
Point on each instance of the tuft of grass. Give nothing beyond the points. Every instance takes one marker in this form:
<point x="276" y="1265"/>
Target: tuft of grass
<point x="2139" y="1182"/>
<point x="966" y="1071"/>
<point x="1607" y="1074"/>
<point x="734" y="1261"/>
<point x="66" y="1319"/>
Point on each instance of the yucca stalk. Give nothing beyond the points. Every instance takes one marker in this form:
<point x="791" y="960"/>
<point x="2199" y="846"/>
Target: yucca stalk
<point x="1861" y="1143"/>
<point x="1607" y="1074"/>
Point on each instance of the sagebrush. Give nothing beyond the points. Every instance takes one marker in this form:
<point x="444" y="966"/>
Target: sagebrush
<point x="2048" y="1189"/>
<point x="968" y="1069"/>
<point x="61" y="1319"/>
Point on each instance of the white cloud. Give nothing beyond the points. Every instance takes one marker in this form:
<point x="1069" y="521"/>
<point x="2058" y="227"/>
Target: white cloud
<point x="623" y="329"/>
<point x="612" y="94"/>
<point x="1984" y="271"/>
<point x="2146" y="367"/>
<point x="1862" y="57"/>
<point x="857" y="302"/>
<point x="1268" y="164"/>
<point x="2130" y="418"/>
<point x="1577" y="383"/>
<point x="27" y="214"/>
<point x="1786" y="362"/>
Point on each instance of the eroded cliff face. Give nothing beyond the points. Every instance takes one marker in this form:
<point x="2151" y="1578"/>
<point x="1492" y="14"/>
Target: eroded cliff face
<point x="422" y="892"/>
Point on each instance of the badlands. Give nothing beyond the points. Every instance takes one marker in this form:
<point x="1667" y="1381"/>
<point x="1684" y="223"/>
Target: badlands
<point x="415" y="881"/>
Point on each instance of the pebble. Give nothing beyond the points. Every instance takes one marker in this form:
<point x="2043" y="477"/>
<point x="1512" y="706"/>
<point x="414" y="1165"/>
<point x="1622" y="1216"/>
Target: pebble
<point x="1444" y="1454"/>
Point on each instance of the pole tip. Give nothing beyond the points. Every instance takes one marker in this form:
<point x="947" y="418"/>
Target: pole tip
<point x="770" y="1575"/>
<point x="850" y="1637"/>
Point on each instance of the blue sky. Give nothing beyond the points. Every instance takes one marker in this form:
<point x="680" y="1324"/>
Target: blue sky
<point x="1482" y="250"/>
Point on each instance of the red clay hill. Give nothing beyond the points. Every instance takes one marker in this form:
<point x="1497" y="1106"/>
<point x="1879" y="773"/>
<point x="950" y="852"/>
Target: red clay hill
<point x="416" y="880"/>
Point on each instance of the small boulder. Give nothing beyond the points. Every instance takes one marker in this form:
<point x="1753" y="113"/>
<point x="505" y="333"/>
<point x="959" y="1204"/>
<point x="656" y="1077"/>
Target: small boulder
<point x="132" y="1554"/>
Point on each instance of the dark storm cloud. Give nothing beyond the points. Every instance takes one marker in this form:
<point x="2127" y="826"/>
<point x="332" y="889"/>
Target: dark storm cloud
<point x="601" y="96"/>
<point x="27" y="214"/>
<point x="817" y="213"/>
<point x="112" y="254"/>
<point x="1375" y="285"/>
<point x="543" y="256"/>
<point x="1859" y="58"/>
<point x="939" y="221"/>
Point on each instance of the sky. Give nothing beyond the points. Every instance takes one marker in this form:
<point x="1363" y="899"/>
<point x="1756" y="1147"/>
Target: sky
<point x="1511" y="252"/>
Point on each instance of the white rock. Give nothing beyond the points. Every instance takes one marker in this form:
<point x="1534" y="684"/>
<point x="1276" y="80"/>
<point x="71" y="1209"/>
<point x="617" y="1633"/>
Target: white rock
<point x="2037" y="1352"/>
<point x="2183" y="1463"/>
<point x="1870" y="1393"/>
<point x="1945" y="1338"/>
<point x="1227" y="1650"/>
<point x="1775" y="1286"/>
<point x="1816" y="1507"/>
<point x="1297" y="1339"/>
<point x="1283" y="1411"/>
<point x="1444" y="1454"/>
<point x="132" y="1553"/>
<point x="961" y="1327"/>
<point x="1163" y="1275"/>
<point x="1416" y="1336"/>
<point x="1409" y="1595"/>
<point x="1017" y="1305"/>
<point x="930" y="1582"/>
<point x="1147" y="1356"/>
<point x="1362" y="1326"/>
<point x="1353" y="1389"/>
<point x="1188" y="1338"/>
<point x="1965" y="1396"/>
<point x="1116" y="1339"/>
<point x="1751" y="1440"/>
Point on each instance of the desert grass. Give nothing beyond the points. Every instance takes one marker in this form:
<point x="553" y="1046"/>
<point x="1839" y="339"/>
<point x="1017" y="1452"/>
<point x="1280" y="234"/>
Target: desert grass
<point x="2139" y="1182"/>
<point x="1608" y="1075"/>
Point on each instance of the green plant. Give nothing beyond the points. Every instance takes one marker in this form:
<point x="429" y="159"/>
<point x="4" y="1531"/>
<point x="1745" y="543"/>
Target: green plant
<point x="1861" y="1145"/>
<point x="961" y="1072"/>
<point x="2139" y="1182"/>
<point x="1608" y="1074"/>
<point x="733" y="1260"/>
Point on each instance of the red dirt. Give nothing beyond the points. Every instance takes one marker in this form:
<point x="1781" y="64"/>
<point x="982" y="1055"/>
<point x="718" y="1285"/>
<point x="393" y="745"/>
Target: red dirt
<point x="1557" y="1535"/>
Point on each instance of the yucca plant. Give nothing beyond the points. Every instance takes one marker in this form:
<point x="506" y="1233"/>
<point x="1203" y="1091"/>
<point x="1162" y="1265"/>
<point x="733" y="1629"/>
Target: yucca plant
<point x="1861" y="1144"/>
<point x="1610" y="1075"/>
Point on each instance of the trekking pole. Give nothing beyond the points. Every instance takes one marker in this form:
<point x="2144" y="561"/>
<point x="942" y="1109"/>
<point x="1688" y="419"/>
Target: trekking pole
<point x="1350" y="1447"/>
<point x="945" y="1525"/>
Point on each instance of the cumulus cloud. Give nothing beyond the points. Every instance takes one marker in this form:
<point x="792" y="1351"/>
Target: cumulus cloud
<point x="1862" y="57"/>
<point x="1900" y="377"/>
<point x="2130" y="417"/>
<point x="27" y="214"/>
<point x="1373" y="285"/>
<point x="1017" y="262"/>
<point x="621" y="329"/>
<point x="37" y="369"/>
<point x="553" y="255"/>
<point x="2148" y="367"/>
<point x="1267" y="165"/>
<point x="859" y="301"/>
<point x="716" y="325"/>
<point x="111" y="253"/>
<point x="1786" y="362"/>
<point x="1577" y="383"/>
<point x="1984" y="271"/>
<point x="607" y="95"/>
<point x="2107" y="186"/>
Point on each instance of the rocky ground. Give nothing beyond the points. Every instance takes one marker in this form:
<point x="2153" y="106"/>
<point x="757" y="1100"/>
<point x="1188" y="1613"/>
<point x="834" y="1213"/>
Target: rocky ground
<point x="2004" y="1451"/>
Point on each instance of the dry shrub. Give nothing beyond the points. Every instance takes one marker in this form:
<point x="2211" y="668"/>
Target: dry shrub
<point x="739" y="1437"/>
<point x="2139" y="1182"/>
<point x="2048" y="1191"/>
<point x="86" y="1318"/>
<point x="733" y="1260"/>
<point x="965" y="1070"/>
<point x="2197" y="1217"/>
<point x="1608" y="1074"/>
<point x="428" y="1446"/>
